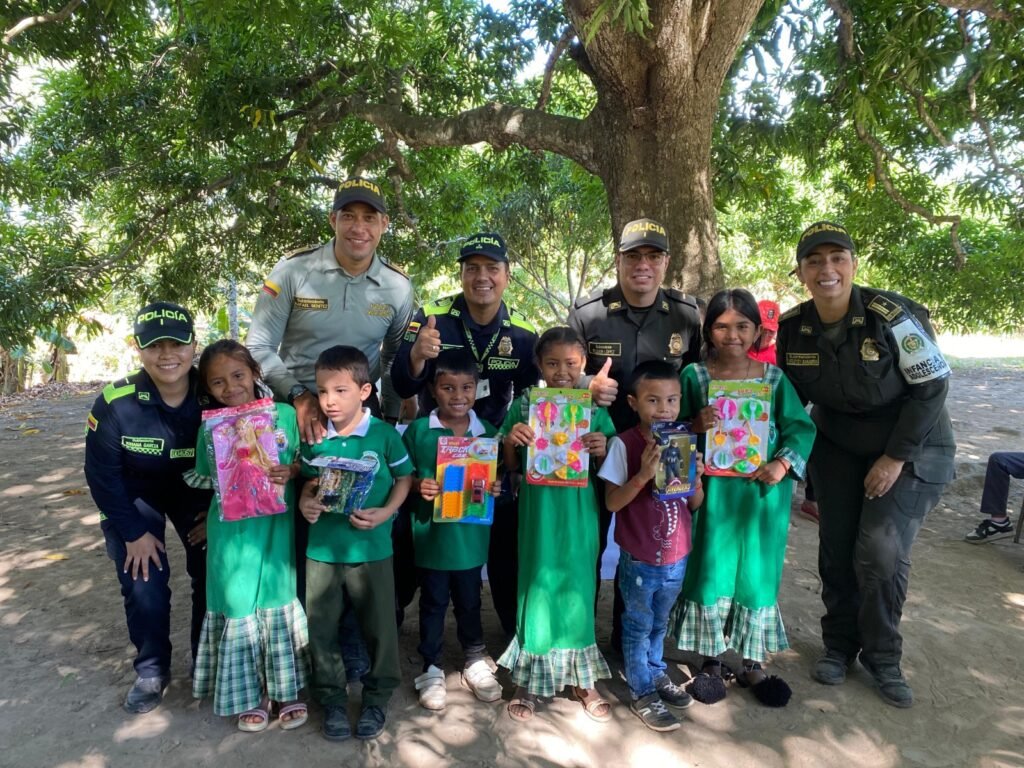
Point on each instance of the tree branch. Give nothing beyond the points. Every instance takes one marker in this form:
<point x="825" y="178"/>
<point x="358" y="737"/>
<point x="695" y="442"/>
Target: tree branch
<point x="847" y="47"/>
<point x="499" y="125"/>
<point x="549" y="69"/>
<point x="982" y="6"/>
<point x="45" y="18"/>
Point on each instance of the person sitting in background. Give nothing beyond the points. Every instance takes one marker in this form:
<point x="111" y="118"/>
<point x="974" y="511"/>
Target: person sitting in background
<point x="1002" y="465"/>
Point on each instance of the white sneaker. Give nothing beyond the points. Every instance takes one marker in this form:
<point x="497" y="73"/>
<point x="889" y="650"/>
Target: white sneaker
<point x="478" y="677"/>
<point x="433" y="694"/>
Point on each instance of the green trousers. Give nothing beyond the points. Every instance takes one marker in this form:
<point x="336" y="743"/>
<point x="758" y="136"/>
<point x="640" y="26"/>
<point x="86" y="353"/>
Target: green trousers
<point x="371" y="589"/>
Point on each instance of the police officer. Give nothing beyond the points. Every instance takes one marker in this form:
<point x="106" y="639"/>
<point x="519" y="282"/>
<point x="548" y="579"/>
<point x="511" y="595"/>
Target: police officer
<point x="637" y="320"/>
<point x="502" y="341"/>
<point x="339" y="292"/>
<point x="140" y="439"/>
<point x="632" y="322"/>
<point x="868" y="361"/>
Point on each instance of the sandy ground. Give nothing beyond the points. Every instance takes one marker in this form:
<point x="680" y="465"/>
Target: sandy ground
<point x="65" y="656"/>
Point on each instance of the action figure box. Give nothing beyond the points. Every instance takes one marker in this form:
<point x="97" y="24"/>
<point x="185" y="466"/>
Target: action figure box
<point x="344" y="483"/>
<point x="676" y="476"/>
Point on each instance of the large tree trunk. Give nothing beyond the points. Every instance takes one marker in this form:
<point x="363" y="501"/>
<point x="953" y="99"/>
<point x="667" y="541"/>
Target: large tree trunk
<point x="652" y="127"/>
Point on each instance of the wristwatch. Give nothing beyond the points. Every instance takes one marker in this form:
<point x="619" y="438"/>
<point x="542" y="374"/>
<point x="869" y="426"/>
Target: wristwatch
<point x="297" y="391"/>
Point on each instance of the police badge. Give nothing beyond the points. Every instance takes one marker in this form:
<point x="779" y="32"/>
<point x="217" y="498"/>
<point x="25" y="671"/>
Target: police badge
<point x="505" y="346"/>
<point x="869" y="351"/>
<point x="675" y="344"/>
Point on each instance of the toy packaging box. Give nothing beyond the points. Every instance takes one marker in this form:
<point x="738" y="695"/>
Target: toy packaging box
<point x="738" y="444"/>
<point x="242" y="444"/>
<point x="344" y="483"/>
<point x="466" y="467"/>
<point x="677" y="470"/>
<point x="559" y="419"/>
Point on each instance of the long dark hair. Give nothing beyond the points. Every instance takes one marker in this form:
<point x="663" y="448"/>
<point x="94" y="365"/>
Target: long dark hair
<point x="738" y="299"/>
<point x="236" y="351"/>
<point x="560" y="334"/>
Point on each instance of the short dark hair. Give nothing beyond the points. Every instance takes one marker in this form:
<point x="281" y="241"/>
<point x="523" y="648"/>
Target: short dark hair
<point x="560" y="334"/>
<point x="457" y="362"/>
<point x="739" y="299"/>
<point x="652" y="370"/>
<point x="343" y="358"/>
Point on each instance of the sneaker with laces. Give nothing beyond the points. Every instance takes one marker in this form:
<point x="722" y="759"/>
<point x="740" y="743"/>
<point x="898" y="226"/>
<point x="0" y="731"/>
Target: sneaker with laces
<point x="990" y="530"/>
<point x="672" y="694"/>
<point x="654" y="714"/>
<point x="892" y="685"/>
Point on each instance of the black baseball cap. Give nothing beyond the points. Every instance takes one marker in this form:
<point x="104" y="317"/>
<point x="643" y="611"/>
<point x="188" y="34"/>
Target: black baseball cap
<point x="489" y="244"/>
<point x="819" y="233"/>
<point x="643" y="232"/>
<point x="359" y="190"/>
<point x="163" y="320"/>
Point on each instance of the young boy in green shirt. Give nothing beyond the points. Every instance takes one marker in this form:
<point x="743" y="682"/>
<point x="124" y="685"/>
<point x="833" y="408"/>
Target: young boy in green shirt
<point x="449" y="556"/>
<point x="349" y="558"/>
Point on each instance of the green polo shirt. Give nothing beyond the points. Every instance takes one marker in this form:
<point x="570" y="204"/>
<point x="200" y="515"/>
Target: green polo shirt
<point x="443" y="546"/>
<point x="332" y="539"/>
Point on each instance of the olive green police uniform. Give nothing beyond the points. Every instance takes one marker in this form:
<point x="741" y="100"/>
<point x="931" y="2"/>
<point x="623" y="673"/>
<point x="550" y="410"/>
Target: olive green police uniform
<point x="878" y="384"/>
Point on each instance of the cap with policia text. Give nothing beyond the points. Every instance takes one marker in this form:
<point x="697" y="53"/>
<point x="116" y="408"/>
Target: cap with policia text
<point x="819" y="233"/>
<point x="359" y="190"/>
<point x="643" y="232"/>
<point x="489" y="244"/>
<point x="163" y="320"/>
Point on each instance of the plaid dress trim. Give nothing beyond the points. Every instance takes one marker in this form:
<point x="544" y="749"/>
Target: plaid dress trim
<point x="194" y="480"/>
<point x="548" y="674"/>
<point x="752" y="632"/>
<point x="240" y="658"/>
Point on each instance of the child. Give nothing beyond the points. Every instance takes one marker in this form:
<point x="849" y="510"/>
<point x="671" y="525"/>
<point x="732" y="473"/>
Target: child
<point x="654" y="541"/>
<point x="449" y="556"/>
<point x="730" y="595"/>
<point x="253" y="651"/>
<point x="554" y="644"/>
<point x="349" y="558"/>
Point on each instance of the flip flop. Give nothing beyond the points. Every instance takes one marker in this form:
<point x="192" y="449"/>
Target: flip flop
<point x="528" y="702"/>
<point x="262" y="712"/>
<point x="296" y="722"/>
<point x="593" y="702"/>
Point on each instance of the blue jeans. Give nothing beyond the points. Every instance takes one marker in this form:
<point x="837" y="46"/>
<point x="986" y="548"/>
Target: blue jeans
<point x="649" y="592"/>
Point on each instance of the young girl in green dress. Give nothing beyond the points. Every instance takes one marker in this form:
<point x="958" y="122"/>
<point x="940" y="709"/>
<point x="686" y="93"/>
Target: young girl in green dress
<point x="253" y="651"/>
<point x="554" y="645"/>
<point x="730" y="592"/>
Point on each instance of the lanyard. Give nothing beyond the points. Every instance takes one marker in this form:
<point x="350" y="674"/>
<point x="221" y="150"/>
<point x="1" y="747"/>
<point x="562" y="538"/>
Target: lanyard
<point x="472" y="345"/>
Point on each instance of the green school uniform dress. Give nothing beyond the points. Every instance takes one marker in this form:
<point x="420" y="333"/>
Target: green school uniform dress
<point x="254" y="636"/>
<point x="443" y="546"/>
<point x="730" y="593"/>
<point x="333" y="539"/>
<point x="554" y="645"/>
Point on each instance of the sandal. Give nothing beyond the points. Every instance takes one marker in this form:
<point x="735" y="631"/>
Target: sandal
<point x="708" y="685"/>
<point x="527" y="701"/>
<point x="771" y="690"/>
<point x="296" y="708"/>
<point x="262" y="712"/>
<point x="594" y="704"/>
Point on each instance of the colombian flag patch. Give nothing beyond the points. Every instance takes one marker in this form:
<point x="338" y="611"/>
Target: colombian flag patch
<point x="271" y="288"/>
<point x="91" y="422"/>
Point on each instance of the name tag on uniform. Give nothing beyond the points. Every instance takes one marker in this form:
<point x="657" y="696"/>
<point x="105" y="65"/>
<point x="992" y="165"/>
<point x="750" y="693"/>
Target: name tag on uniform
<point x="809" y="359"/>
<point x="301" y="302"/>
<point x="483" y="388"/>
<point x="605" y="348"/>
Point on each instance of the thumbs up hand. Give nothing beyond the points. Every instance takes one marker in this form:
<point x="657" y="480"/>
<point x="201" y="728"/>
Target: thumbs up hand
<point x="603" y="388"/>
<point x="428" y="343"/>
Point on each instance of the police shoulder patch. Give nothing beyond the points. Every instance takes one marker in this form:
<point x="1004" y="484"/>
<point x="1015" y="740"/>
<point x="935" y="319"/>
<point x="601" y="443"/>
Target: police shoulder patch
<point x="885" y="307"/>
<point x="679" y="297"/>
<point x="439" y="306"/>
<point x="301" y="251"/>
<point x="394" y="268"/>
<point x="519" y="320"/>
<point x="117" y="389"/>
<point x="582" y="301"/>
<point x="791" y="312"/>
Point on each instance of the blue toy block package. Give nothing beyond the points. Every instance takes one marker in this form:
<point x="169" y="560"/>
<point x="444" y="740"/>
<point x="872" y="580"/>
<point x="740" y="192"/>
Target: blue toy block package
<point x="677" y="470"/>
<point x="344" y="483"/>
<point x="466" y="467"/>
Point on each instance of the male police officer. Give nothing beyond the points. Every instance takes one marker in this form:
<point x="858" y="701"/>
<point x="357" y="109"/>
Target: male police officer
<point x="634" y="321"/>
<point x="339" y="292"/>
<point x="502" y="340"/>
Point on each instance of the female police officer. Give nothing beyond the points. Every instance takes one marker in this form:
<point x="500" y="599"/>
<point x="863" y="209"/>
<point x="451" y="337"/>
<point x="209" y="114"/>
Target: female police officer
<point x="141" y="437"/>
<point x="868" y="362"/>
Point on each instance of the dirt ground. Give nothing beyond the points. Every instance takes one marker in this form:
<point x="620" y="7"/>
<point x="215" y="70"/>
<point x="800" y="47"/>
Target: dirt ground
<point x="65" y="660"/>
